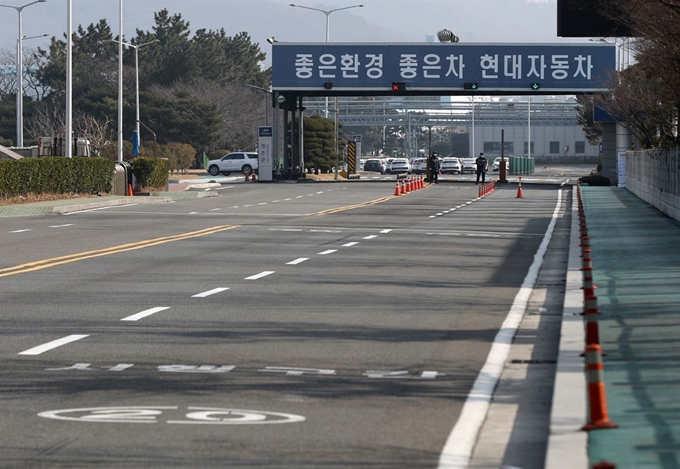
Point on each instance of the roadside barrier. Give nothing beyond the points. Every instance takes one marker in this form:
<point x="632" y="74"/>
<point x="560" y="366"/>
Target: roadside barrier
<point x="599" y="414"/>
<point x="520" y="195"/>
<point x="486" y="187"/>
<point x="597" y="396"/>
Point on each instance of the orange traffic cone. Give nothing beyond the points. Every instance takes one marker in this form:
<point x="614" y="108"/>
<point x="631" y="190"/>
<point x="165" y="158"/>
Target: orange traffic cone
<point x="402" y="188"/>
<point x="254" y="177"/>
<point x="129" y="190"/>
<point x="599" y="415"/>
<point x="396" y="189"/>
<point x="519" y="189"/>
<point x="247" y="176"/>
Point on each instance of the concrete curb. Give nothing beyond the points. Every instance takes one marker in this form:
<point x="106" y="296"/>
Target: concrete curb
<point x="567" y="443"/>
<point x="111" y="203"/>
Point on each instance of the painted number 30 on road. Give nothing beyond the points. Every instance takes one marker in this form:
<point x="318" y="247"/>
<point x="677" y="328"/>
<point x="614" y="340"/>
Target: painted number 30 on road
<point x="171" y="415"/>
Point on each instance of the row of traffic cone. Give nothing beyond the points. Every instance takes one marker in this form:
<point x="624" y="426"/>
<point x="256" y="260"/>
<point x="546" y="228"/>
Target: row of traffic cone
<point x="251" y="176"/>
<point x="597" y="398"/>
<point x="410" y="184"/>
<point x="486" y="187"/>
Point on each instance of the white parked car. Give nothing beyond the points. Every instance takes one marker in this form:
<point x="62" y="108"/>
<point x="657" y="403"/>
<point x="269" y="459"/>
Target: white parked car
<point x="399" y="166"/>
<point x="469" y="166"/>
<point x="419" y="166"/>
<point x="451" y="165"/>
<point x="235" y="162"/>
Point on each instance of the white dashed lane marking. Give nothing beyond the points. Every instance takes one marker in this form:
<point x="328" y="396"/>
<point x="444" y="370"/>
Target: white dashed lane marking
<point x="52" y="345"/>
<point x="210" y="292"/>
<point x="329" y="251"/>
<point x="297" y="261"/>
<point x="260" y="275"/>
<point x="145" y="313"/>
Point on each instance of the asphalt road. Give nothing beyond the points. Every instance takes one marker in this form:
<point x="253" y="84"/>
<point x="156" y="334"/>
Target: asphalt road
<point x="283" y="325"/>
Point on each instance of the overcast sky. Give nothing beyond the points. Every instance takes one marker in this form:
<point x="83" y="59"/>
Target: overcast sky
<point x="378" y="21"/>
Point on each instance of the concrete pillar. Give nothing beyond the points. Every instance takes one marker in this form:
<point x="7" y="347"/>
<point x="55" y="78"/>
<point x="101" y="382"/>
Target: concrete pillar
<point x="609" y="149"/>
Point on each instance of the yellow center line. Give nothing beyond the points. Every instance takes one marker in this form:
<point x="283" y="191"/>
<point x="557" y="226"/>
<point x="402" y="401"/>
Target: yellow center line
<point x="351" y="207"/>
<point x="55" y="261"/>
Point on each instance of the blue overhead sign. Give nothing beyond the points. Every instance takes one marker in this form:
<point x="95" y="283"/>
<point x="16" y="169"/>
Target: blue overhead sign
<point x="559" y="68"/>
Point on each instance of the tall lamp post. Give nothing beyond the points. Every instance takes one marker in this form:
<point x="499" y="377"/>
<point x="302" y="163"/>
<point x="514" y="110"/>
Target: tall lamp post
<point x="20" y="70"/>
<point x="136" y="47"/>
<point x="266" y="104"/>
<point x="328" y="14"/>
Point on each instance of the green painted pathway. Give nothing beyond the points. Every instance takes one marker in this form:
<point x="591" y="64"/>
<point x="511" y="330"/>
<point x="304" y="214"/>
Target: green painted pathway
<point x="636" y="261"/>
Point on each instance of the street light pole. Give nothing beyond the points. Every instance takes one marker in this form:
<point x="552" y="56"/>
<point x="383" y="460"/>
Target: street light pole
<point x="20" y="71"/>
<point x="266" y="106"/>
<point x="136" y="47"/>
<point x="328" y="37"/>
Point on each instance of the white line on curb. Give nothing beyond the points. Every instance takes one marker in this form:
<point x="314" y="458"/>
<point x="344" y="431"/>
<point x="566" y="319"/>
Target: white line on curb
<point x="51" y="345"/>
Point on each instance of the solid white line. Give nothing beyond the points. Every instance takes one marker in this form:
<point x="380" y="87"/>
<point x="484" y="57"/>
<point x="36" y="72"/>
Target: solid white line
<point x="457" y="451"/>
<point x="329" y="251"/>
<point x="50" y="345"/>
<point x="100" y="208"/>
<point x="145" y="313"/>
<point x="353" y="243"/>
<point x="370" y="236"/>
<point x="298" y="261"/>
<point x="260" y="275"/>
<point x="210" y="292"/>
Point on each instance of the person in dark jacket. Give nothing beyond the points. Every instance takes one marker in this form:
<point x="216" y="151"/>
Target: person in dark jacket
<point x="482" y="166"/>
<point x="435" y="167"/>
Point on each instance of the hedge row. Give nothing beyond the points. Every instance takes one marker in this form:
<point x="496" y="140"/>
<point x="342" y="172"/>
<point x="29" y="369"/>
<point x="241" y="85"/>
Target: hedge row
<point x="150" y="173"/>
<point x="55" y="175"/>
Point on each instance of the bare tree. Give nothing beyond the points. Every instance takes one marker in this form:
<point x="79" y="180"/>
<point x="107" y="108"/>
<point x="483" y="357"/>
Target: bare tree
<point x="46" y="121"/>
<point x="98" y="132"/>
<point x="241" y="109"/>
<point x="8" y="76"/>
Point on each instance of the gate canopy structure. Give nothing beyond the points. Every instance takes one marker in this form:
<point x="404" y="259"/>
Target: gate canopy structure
<point x="331" y="69"/>
<point x="302" y="70"/>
